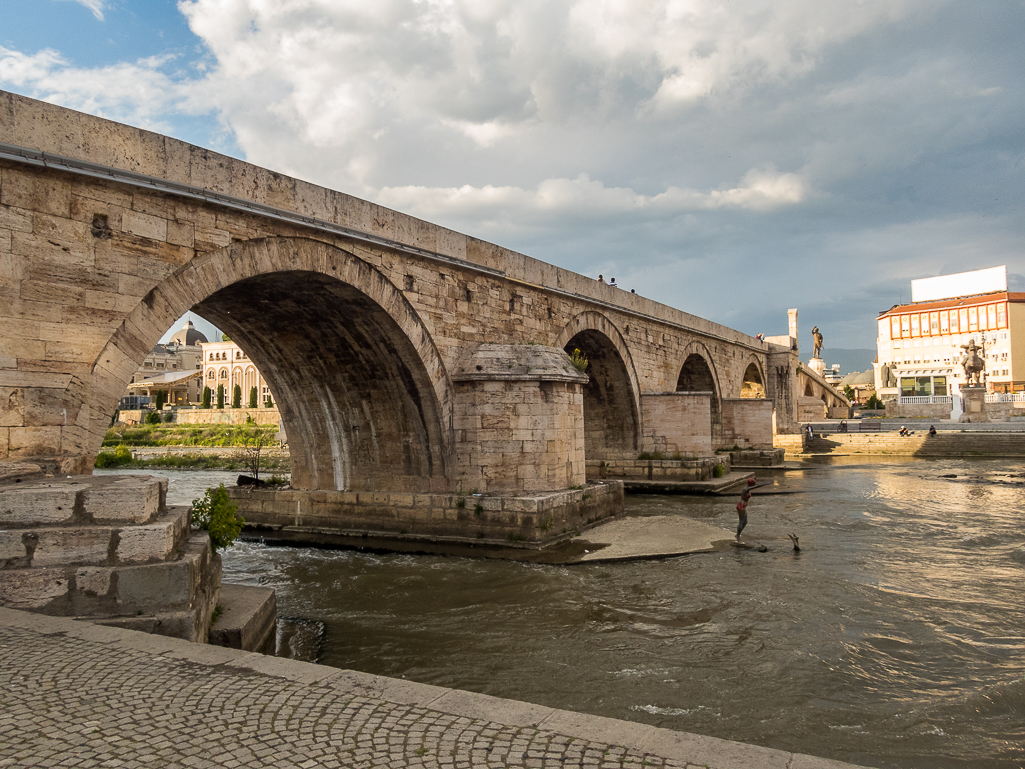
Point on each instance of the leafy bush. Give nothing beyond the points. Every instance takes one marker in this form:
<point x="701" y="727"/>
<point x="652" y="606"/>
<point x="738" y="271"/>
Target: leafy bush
<point x="578" y="359"/>
<point x="236" y="397"/>
<point x="207" y="396"/>
<point x="119" y="457"/>
<point x="719" y="471"/>
<point x="252" y="398"/>
<point x="216" y="514"/>
<point x="168" y="417"/>
<point x="153" y="418"/>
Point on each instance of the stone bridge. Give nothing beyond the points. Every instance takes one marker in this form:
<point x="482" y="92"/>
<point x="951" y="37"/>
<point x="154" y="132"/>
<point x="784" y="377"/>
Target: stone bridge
<point x="406" y="359"/>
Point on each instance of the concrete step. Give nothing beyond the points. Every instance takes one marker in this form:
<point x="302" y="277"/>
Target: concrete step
<point x="99" y="545"/>
<point x="248" y="618"/>
<point x="82" y="500"/>
<point x="187" y="584"/>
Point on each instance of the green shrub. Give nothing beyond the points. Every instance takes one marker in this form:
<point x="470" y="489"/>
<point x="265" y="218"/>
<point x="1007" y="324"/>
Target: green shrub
<point x="119" y="457"/>
<point x="719" y="471"/>
<point x="236" y="397"/>
<point x="153" y="417"/>
<point x="578" y="359"/>
<point x="252" y="398"/>
<point x="220" y="396"/>
<point x="207" y="396"/>
<point x="168" y="417"/>
<point x="216" y="514"/>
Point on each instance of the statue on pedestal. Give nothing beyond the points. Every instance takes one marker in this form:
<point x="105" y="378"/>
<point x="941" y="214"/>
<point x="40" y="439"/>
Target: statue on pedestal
<point x="817" y="336"/>
<point x="973" y="363"/>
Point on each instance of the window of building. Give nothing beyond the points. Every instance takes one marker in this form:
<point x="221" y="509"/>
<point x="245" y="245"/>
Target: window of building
<point x="944" y="322"/>
<point x="991" y="313"/>
<point x="914" y="325"/>
<point x="895" y="327"/>
<point x="973" y="318"/>
<point x="224" y="373"/>
<point x="211" y="374"/>
<point x="1001" y="315"/>
<point x="905" y="325"/>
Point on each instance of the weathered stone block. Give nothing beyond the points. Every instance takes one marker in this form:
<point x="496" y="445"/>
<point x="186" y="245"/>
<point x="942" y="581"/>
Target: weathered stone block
<point x="60" y="548"/>
<point x="39" y="503"/>
<point x="133" y="499"/>
<point x="32" y="588"/>
<point x="152" y="542"/>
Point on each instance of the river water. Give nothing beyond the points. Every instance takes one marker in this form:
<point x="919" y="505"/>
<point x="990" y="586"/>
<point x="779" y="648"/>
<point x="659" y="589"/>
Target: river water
<point x="895" y="638"/>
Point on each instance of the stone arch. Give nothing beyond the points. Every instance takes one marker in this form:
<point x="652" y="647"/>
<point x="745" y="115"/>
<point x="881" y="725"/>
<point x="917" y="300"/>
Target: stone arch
<point x="698" y="374"/>
<point x="362" y="390"/>
<point x="809" y="391"/>
<point x="612" y="395"/>
<point x="753" y="383"/>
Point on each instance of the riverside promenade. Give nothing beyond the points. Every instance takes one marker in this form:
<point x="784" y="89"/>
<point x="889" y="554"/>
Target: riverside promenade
<point x="81" y="695"/>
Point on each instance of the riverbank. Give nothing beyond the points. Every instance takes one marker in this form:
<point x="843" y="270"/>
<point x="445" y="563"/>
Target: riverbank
<point x="87" y="695"/>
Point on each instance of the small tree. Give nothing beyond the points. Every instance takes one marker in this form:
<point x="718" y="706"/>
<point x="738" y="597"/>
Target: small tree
<point x="236" y="397"/>
<point x="220" y="396"/>
<point x="848" y="392"/>
<point x="216" y="514"/>
<point x="269" y="403"/>
<point x="250" y="443"/>
<point x="161" y="399"/>
<point x="153" y="417"/>
<point x="207" y="395"/>
<point x="253" y="401"/>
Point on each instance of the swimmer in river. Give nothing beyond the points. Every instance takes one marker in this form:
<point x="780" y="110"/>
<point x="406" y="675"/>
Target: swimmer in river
<point x="745" y="497"/>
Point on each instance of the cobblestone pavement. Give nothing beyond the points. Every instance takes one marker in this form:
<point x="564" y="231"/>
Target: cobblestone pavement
<point x="79" y="695"/>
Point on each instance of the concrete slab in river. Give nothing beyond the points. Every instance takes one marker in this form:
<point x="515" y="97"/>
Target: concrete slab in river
<point x="657" y="536"/>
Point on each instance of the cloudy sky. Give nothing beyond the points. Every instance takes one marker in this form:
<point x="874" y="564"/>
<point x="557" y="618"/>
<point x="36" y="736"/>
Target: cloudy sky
<point x="732" y="158"/>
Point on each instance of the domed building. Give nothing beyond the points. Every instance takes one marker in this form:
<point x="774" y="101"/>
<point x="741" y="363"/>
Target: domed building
<point x="174" y="368"/>
<point x="187" y="336"/>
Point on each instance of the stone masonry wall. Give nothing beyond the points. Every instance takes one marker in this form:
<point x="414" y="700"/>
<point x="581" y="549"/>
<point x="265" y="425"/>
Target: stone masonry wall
<point x="93" y="271"/>
<point x="676" y="423"/>
<point x="747" y="422"/>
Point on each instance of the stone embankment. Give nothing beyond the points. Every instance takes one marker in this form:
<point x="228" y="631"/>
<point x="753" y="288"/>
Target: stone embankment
<point x="943" y="444"/>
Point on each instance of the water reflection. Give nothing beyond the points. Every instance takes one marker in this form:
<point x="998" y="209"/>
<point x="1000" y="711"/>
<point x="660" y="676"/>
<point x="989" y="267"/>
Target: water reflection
<point x="893" y="639"/>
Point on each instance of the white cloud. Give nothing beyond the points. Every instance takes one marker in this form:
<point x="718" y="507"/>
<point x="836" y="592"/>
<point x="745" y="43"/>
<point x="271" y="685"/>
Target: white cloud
<point x="585" y="198"/>
<point x="135" y="92"/>
<point x="96" y="6"/>
<point x="671" y="142"/>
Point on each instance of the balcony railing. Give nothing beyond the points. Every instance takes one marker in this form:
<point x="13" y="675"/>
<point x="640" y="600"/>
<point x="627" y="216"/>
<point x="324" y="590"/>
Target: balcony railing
<point x="1005" y="397"/>
<point x="926" y="399"/>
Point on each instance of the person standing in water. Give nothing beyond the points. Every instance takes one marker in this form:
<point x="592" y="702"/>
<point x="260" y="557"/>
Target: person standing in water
<point x="745" y="497"/>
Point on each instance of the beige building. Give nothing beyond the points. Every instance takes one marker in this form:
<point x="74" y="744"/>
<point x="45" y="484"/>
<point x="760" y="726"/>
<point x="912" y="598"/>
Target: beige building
<point x="225" y="364"/>
<point x="919" y="344"/>
<point x="171" y="367"/>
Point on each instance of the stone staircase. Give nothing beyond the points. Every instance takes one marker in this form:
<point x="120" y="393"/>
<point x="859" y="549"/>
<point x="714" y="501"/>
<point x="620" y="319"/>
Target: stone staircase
<point x="106" y="549"/>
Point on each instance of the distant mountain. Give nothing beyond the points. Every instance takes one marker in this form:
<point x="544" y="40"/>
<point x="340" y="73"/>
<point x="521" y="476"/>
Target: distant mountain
<point x="849" y="360"/>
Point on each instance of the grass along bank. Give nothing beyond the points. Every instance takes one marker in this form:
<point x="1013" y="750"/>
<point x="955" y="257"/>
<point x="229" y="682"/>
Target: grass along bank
<point x="214" y="447"/>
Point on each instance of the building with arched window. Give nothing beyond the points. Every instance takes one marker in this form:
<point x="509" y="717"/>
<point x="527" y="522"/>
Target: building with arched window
<point x="225" y="364"/>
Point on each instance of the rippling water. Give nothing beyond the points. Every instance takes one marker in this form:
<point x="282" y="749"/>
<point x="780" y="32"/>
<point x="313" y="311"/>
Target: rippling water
<point x="894" y="639"/>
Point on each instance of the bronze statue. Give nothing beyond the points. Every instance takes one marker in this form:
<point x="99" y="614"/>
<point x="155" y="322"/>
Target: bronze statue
<point x="817" y="351"/>
<point x="973" y="363"/>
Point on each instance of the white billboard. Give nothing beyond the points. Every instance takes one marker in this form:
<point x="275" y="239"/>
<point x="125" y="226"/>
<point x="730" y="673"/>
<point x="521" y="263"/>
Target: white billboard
<point x="961" y="284"/>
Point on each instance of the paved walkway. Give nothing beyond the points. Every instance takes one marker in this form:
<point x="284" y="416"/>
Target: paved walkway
<point x="74" y="694"/>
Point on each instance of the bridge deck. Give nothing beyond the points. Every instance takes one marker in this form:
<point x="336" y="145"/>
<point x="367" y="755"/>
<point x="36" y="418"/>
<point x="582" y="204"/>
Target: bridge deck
<point x="87" y="696"/>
